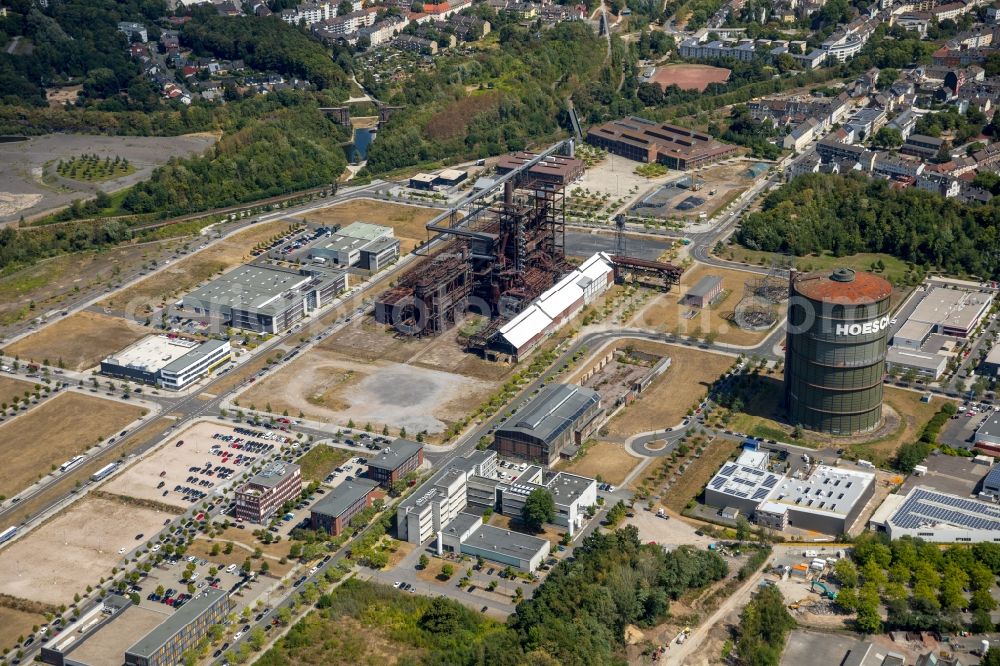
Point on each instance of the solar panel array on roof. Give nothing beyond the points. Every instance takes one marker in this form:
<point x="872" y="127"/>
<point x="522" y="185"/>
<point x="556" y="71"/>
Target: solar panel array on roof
<point x="926" y="508"/>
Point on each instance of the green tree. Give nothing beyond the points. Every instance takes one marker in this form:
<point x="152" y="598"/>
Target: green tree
<point x="742" y="528"/>
<point x="539" y="508"/>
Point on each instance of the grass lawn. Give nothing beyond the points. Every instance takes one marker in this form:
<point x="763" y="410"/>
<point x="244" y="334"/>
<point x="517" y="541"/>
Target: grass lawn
<point x="763" y="418"/>
<point x="321" y="461"/>
<point x="895" y="269"/>
<point x="606" y="461"/>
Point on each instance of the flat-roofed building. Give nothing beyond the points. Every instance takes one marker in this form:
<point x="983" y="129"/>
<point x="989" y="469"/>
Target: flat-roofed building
<point x="829" y="500"/>
<point x="647" y="141"/>
<point x="741" y="486"/>
<point x="704" y="292"/>
<point x="422" y="181"/>
<point x="955" y="312"/>
<point x="940" y="517"/>
<point x="991" y="364"/>
<point x="921" y="145"/>
<point x="395" y="461"/>
<point x="560" y="415"/>
<point x="368" y="246"/>
<point x="571" y="493"/>
<point x="265" y="492"/>
<point x="467" y="535"/>
<point x="425" y="513"/>
<point x="987" y="436"/>
<point x="263" y="298"/>
<point x="333" y="513"/>
<point x="553" y="169"/>
<point x="165" y="645"/>
<point x="925" y="364"/>
<point x="172" y="363"/>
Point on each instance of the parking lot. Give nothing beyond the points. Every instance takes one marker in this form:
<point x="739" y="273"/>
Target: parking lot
<point x="948" y="474"/>
<point x="959" y="431"/>
<point x="195" y="464"/>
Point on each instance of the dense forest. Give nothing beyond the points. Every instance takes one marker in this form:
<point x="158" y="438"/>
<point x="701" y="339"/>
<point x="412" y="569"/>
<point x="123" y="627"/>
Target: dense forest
<point x="519" y="100"/>
<point x="847" y="214"/>
<point x="764" y="624"/>
<point x="290" y="149"/>
<point x="73" y="39"/>
<point x="576" y="617"/>
<point x="267" y="44"/>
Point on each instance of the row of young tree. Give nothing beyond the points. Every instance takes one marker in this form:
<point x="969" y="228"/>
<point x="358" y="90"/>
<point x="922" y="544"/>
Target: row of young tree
<point x="921" y="585"/>
<point x="848" y="214"/>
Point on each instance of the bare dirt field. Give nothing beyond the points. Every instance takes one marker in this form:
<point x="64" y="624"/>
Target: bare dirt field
<point x="187" y="273"/>
<point x="63" y="427"/>
<point x="141" y="479"/>
<point x="22" y="164"/>
<point x="74" y="549"/>
<point x="80" y="340"/>
<point x="607" y="461"/>
<point x="367" y="340"/>
<point x="16" y="624"/>
<point x="723" y="183"/>
<point x="57" y="97"/>
<point x="202" y="547"/>
<point x="334" y="387"/>
<point x="9" y="388"/>
<point x="668" y="313"/>
<point x="407" y="221"/>
<point x="665" y="402"/>
<point x="690" y="77"/>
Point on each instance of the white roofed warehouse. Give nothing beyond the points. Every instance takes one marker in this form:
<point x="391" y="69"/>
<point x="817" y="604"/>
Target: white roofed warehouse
<point x="172" y="363"/>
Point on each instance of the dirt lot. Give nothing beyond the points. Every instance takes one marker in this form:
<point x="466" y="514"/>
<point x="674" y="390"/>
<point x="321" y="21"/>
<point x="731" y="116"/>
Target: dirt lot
<point x="408" y="221"/>
<point x="690" y="77"/>
<point x="606" y="461"/>
<point x="80" y="340"/>
<point x="22" y="162"/>
<point x="670" y="533"/>
<point x="365" y="339"/>
<point x="665" y="402"/>
<point x="187" y="273"/>
<point x="75" y="549"/>
<point x="668" y="313"/>
<point x="333" y="387"/>
<point x="141" y="479"/>
<point x="63" y="427"/>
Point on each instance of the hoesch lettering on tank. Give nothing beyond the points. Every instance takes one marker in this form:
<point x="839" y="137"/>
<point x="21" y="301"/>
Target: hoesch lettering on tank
<point x="838" y="326"/>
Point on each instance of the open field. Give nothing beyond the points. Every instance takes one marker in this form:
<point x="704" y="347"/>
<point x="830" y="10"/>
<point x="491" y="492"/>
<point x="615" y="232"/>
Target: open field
<point x="905" y="416"/>
<point x="9" y="388"/>
<point x="22" y="164"/>
<point x="667" y="313"/>
<point x="320" y="461"/>
<point x="666" y="402"/>
<point x="63" y="427"/>
<point x="407" y="221"/>
<point x="187" y="273"/>
<point x="694" y="478"/>
<point x="48" y="283"/>
<point x="80" y="340"/>
<point x="16" y="624"/>
<point x="895" y="269"/>
<point x="73" y="550"/>
<point x="334" y="387"/>
<point x="605" y="461"/>
<point x="690" y="77"/>
<point x="141" y="479"/>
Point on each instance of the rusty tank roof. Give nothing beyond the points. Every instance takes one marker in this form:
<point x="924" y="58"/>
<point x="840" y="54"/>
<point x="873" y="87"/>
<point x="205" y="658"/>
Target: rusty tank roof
<point x="842" y="286"/>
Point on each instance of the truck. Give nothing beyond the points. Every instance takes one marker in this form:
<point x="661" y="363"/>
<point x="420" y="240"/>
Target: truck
<point x="810" y="553"/>
<point x="660" y="513"/>
<point x="319" y="261"/>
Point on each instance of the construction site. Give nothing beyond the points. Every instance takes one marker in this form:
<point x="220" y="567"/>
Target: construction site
<point x="495" y="252"/>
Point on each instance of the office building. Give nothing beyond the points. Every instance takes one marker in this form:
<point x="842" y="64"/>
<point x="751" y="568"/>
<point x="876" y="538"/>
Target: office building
<point x="424" y="514"/>
<point x="467" y="534"/>
<point x="368" y="246"/>
<point x="925" y="364"/>
<point x="333" y="513"/>
<point x="395" y="461"/>
<point x="265" y="492"/>
<point x="560" y="416"/>
<point x="171" y="363"/>
<point x="647" y="141"/>
<point x="264" y="299"/>
<point x="165" y="645"/>
<point x="571" y="493"/>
